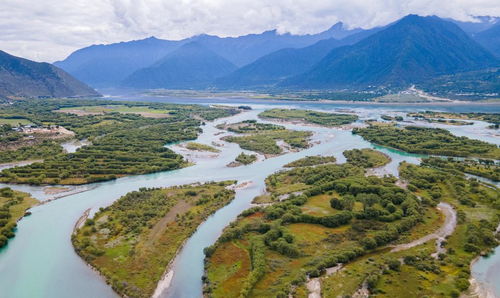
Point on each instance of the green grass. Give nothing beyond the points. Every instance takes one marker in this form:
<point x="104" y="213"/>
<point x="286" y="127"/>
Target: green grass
<point x="15" y="122"/>
<point x="308" y="116"/>
<point x="114" y="108"/>
<point x="201" y="147"/>
<point x="132" y="241"/>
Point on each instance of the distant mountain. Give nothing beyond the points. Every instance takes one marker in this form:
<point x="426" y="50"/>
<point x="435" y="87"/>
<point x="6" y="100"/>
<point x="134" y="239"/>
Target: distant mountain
<point x="246" y="49"/>
<point x="490" y="39"/>
<point x="277" y="66"/>
<point x="480" y="23"/>
<point x="108" y="65"/>
<point x="411" y="50"/>
<point x="191" y="66"/>
<point x="24" y="78"/>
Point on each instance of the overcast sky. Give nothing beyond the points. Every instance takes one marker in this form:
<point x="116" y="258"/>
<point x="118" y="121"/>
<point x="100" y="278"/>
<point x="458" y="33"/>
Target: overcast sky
<point x="49" y="30"/>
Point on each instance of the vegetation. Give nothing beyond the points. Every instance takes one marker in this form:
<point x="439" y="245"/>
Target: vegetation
<point x="249" y="126"/>
<point x="265" y="143"/>
<point x="332" y="214"/>
<point x="441" y="116"/>
<point x="45" y="149"/>
<point x="391" y="118"/>
<point x="133" y="241"/>
<point x="482" y="168"/>
<point x="427" y="141"/>
<point x="13" y="206"/>
<point x="122" y="143"/>
<point x="246" y="159"/>
<point x="311" y="161"/>
<point x="313" y="117"/>
<point x="201" y="147"/>
<point x="366" y="158"/>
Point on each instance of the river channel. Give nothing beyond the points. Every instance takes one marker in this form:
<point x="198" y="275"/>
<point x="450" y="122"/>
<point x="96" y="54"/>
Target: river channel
<point x="40" y="261"/>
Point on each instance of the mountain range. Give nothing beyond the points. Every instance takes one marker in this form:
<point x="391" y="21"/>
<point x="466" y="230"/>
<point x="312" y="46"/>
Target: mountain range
<point x="192" y="66"/>
<point x="24" y="78"/>
<point x="409" y="51"/>
<point x="108" y="65"/>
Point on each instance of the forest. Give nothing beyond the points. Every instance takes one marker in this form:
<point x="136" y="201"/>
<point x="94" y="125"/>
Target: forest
<point x="308" y="116"/>
<point x="333" y="216"/>
<point x="141" y="232"/>
<point x="121" y="143"/>
<point x="311" y="161"/>
<point x="13" y="206"/>
<point x="264" y="138"/>
<point x="422" y="140"/>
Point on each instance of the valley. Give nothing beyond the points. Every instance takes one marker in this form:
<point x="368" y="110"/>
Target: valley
<point x="299" y="196"/>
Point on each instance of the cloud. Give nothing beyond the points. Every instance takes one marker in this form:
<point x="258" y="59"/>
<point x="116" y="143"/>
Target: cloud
<point x="51" y="29"/>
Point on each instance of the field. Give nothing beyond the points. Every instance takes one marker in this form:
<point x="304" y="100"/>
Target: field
<point x="102" y="109"/>
<point x="422" y="140"/>
<point x="133" y="241"/>
<point x="13" y="206"/>
<point x="14" y="122"/>
<point x="307" y="116"/>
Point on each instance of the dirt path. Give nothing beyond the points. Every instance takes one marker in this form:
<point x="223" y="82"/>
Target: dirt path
<point x="440" y="235"/>
<point x="314" y="284"/>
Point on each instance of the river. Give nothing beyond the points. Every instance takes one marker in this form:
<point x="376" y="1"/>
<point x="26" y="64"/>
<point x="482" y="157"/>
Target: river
<point x="40" y="261"/>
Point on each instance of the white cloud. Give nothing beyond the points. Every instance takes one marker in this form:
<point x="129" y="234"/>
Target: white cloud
<point x="51" y="29"/>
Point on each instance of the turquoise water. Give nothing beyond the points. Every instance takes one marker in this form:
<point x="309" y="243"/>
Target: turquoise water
<point x="40" y="261"/>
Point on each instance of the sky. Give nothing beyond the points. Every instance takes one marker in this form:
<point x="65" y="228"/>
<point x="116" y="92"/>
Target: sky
<point x="49" y="30"/>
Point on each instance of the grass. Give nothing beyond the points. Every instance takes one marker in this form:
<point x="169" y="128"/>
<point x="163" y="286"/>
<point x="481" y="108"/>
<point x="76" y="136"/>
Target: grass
<point x="308" y="116"/>
<point x="201" y="147"/>
<point x="132" y="241"/>
<point x="15" y="122"/>
<point x="114" y="109"/>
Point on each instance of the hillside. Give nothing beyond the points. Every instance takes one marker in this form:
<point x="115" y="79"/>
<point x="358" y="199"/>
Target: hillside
<point x="490" y="39"/>
<point x="191" y="66"/>
<point x="25" y="78"/>
<point x="411" y="50"/>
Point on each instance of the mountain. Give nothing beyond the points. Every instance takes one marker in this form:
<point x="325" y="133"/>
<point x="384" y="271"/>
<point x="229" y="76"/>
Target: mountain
<point x="490" y="39"/>
<point x="108" y="65"/>
<point x="279" y="65"/>
<point x="191" y="66"/>
<point x="246" y="49"/>
<point x="25" y="78"/>
<point x="479" y="24"/>
<point x="411" y="50"/>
